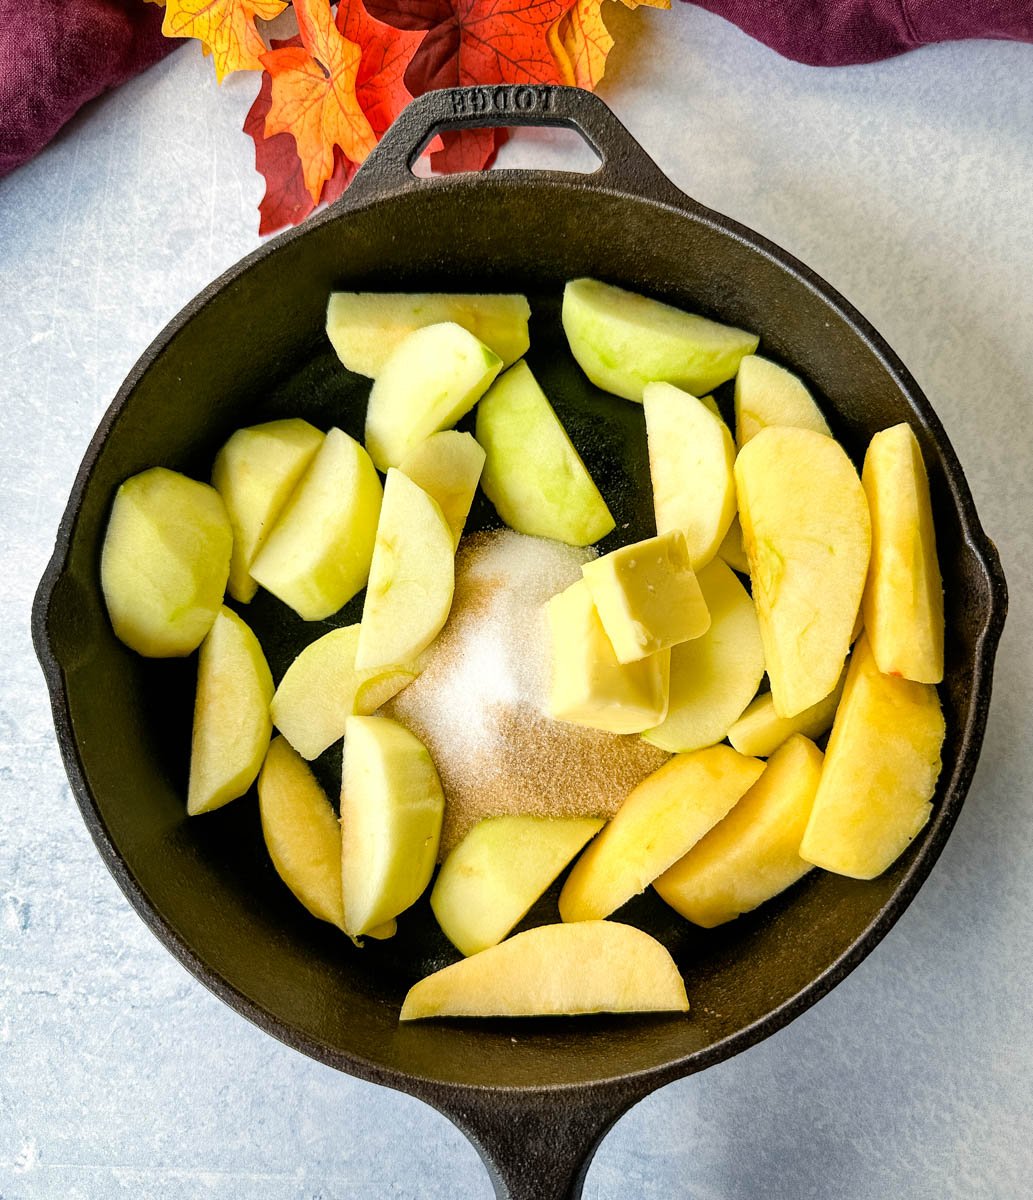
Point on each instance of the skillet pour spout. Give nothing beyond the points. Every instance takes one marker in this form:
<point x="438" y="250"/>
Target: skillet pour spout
<point x="536" y="1096"/>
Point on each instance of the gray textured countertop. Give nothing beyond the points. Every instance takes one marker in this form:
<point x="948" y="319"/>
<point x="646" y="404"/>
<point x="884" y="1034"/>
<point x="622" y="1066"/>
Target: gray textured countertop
<point x="908" y="185"/>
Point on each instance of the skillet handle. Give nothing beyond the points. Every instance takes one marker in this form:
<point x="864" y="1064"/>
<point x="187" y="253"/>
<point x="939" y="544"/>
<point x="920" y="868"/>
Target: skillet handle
<point x="624" y="165"/>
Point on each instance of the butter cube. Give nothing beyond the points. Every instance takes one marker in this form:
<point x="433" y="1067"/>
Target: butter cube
<point x="589" y="686"/>
<point x="647" y="596"/>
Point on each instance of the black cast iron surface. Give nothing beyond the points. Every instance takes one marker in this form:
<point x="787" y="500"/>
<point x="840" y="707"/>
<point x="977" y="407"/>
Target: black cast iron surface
<point x="534" y="1096"/>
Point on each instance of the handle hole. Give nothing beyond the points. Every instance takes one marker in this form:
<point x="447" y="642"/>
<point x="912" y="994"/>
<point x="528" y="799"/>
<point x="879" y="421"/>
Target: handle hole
<point x="531" y="147"/>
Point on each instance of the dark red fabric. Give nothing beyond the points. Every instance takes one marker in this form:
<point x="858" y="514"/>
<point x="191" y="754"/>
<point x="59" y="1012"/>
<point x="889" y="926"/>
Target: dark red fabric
<point x="833" y="33"/>
<point x="55" y="55"/>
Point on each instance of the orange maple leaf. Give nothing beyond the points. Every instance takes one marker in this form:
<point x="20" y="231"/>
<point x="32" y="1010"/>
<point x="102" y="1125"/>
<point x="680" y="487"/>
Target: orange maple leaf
<point x="226" y="28"/>
<point x="580" y="43"/>
<point x="314" y="97"/>
<point x="646" y="3"/>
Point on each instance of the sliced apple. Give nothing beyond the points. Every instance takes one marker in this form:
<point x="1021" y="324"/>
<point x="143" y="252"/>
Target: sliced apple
<point x="647" y="596"/>
<point x="716" y="675"/>
<point x="255" y="473"/>
<point x="903" y="598"/>
<point x="732" y="550"/>
<point x="754" y="853"/>
<point x="661" y="820"/>
<point x="431" y="378"/>
<point x="589" y="686"/>
<point x="301" y="832"/>
<point x="881" y="767"/>
<point x="767" y="394"/>
<point x="555" y="970"/>
<point x="322" y="689"/>
<point x="448" y="467"/>
<point x="364" y="327"/>
<point x="165" y="562"/>
<point x="231" y="715"/>
<point x="623" y="341"/>
<point x="691" y="460"/>
<point x="391" y="810"/>
<point x="318" y="554"/>
<point x="489" y="882"/>
<point x="760" y="730"/>
<point x="807" y="534"/>
<point x="412" y="578"/>
<point x="532" y="473"/>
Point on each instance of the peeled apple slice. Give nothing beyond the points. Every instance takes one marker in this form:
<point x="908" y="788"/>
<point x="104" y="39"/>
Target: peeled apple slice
<point x="448" y="467"/>
<point x="767" y="394"/>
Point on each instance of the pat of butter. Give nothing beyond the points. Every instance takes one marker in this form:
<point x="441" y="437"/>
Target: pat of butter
<point x="647" y="596"/>
<point x="589" y="686"/>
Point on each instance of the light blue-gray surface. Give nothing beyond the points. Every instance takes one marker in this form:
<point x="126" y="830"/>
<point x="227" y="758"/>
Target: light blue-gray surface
<point x="909" y="186"/>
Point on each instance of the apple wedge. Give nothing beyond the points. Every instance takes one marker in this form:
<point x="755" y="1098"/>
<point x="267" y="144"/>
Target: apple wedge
<point x="165" y="562"/>
<point x="754" y="853"/>
<point x="767" y="394"/>
<point x="231" y="715"/>
<point x="412" y="578"/>
<point x="255" y="473"/>
<point x="716" y="675"/>
<point x="622" y="341"/>
<point x="431" y="379"/>
<point x="318" y="554"/>
<point x="661" y="820"/>
<point x="489" y="882"/>
<point x="322" y="689"/>
<point x="555" y="970"/>
<point x="731" y="549"/>
<point x="532" y="473"/>
<point x="807" y="534"/>
<point x="881" y="767"/>
<point x="691" y="461"/>
<point x="448" y="467"/>
<point x="760" y="730"/>
<point x="391" y="810"/>
<point x="903" y="598"/>
<point x="364" y="327"/>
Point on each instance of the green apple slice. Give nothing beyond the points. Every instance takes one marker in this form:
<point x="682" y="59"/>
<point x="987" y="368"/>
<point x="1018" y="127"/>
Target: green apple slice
<point x="767" y="394"/>
<point x="318" y="554"/>
<point x="411" y="580"/>
<point x="532" y="473"/>
<point x="489" y="882"/>
<point x="431" y="379"/>
<point x="391" y="810"/>
<point x="364" y="327"/>
<point x="231" y="715"/>
<point x="165" y="561"/>
<point x="255" y="473"/>
<point x="322" y="689"/>
<point x="623" y="341"/>
<point x="448" y="467"/>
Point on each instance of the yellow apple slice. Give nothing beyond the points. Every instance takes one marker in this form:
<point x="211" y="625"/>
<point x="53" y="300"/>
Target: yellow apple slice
<point x="623" y="341"/>
<point x="881" y="767"/>
<point x="255" y="473"/>
<point x="732" y="550"/>
<point x="322" y="689"/>
<point x="691" y="459"/>
<point x="807" y="533"/>
<point x="231" y="715"/>
<point x="533" y="474"/>
<point x="317" y="555"/>
<point x="661" y="820"/>
<point x="364" y="327"/>
<point x="412" y="578"/>
<point x="165" y="561"/>
<point x="589" y="686"/>
<point x="716" y="675"/>
<point x="431" y="378"/>
<point x="448" y="467"/>
<point x="301" y="832"/>
<point x="767" y="394"/>
<point x="391" y="810"/>
<point x="754" y="853"/>
<point x="647" y="596"/>
<point x="903" y="599"/>
<point x="760" y="730"/>
<point x="489" y="882"/>
<point x="555" y="970"/>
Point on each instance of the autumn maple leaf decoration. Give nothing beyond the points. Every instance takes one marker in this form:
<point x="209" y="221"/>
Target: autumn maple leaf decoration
<point x="226" y="28"/>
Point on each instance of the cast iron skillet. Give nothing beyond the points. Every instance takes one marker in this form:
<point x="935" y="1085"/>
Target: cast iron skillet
<point x="535" y="1096"/>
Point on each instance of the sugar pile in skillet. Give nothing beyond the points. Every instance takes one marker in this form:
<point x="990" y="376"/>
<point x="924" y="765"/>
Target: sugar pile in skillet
<point x="479" y="703"/>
